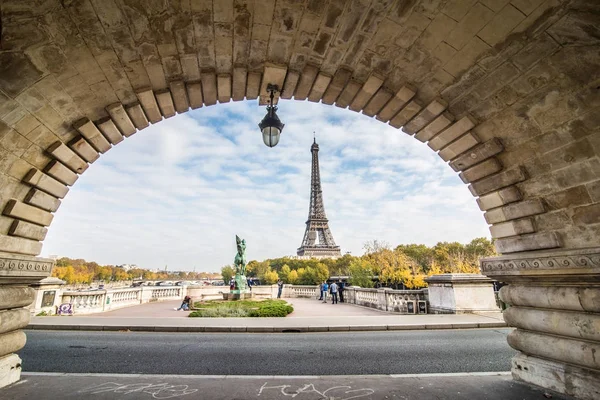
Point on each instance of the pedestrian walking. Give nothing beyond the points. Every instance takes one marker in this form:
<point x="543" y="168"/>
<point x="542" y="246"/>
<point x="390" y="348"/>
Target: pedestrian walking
<point x="334" y="293"/>
<point x="341" y="291"/>
<point x="321" y="289"/>
<point x="279" y="288"/>
<point x="325" y="289"/>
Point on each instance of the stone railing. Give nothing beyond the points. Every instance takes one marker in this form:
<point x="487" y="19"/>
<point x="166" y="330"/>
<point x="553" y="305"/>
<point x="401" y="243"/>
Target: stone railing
<point x="400" y="301"/>
<point x="300" y="291"/>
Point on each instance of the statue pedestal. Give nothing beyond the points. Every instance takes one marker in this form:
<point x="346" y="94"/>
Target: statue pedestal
<point x="237" y="295"/>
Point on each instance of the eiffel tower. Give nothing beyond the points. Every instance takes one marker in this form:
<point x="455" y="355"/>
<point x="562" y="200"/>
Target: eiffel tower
<point x="318" y="241"/>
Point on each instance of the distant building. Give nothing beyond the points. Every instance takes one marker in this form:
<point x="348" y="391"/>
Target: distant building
<point x="128" y="267"/>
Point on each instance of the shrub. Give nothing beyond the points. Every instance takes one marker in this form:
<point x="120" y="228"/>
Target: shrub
<point x="242" y="308"/>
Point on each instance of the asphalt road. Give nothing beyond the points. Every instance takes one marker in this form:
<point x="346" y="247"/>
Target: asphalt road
<point x="408" y="352"/>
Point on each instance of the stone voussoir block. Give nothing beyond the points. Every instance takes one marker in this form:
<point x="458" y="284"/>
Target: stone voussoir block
<point x="289" y="85"/>
<point x="238" y="87"/>
<point x="149" y="104"/>
<point x="533" y="241"/>
<point x="61" y="173"/>
<point x="68" y="157"/>
<point x="19" y="210"/>
<point x="368" y="90"/>
<point x="481" y="170"/>
<point x="194" y="91"/>
<point x="46" y="183"/>
<point x="400" y="99"/>
<point x="427" y="115"/>
<point x="137" y="116"/>
<point x="498" y="181"/>
<point x="83" y="149"/>
<point x="499" y="198"/>
<point x="42" y="200"/>
<point x="459" y="146"/>
<point x="514" y="211"/>
<point x="179" y="96"/>
<point x="27" y="230"/>
<point x="435" y="127"/>
<point x="452" y="133"/>
<point x="512" y="228"/>
<point x="406" y="114"/>
<point x="92" y="134"/>
<point x="110" y="130"/>
<point x="121" y="119"/>
<point x="477" y="154"/>
<point x="165" y="103"/>
<point x="337" y="84"/>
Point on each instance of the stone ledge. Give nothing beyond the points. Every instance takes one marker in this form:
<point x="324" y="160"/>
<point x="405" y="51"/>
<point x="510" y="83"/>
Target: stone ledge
<point x="15" y="268"/>
<point x="458" y="278"/>
<point x="571" y="265"/>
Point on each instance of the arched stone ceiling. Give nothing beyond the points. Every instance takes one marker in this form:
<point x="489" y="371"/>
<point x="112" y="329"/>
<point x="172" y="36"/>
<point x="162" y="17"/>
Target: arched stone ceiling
<point x="505" y="90"/>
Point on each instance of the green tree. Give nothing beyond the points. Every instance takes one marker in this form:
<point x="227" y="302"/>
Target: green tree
<point x="227" y="272"/>
<point x="361" y="273"/>
<point x="292" y="277"/>
<point x="270" y="277"/>
<point x="285" y="273"/>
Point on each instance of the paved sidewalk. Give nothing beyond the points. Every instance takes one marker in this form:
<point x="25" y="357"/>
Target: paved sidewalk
<point x="309" y="315"/>
<point x="490" y="386"/>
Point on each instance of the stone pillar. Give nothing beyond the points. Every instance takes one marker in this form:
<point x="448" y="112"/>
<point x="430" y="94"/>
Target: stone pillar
<point x="17" y="273"/>
<point x="460" y="293"/>
<point x="48" y="295"/>
<point x="554" y="299"/>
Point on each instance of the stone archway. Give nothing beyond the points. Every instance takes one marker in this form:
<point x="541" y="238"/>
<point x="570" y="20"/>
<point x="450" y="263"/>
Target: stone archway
<point x="506" y="91"/>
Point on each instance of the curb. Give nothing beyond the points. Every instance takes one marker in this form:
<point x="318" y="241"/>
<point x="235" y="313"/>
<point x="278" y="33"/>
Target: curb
<point x="264" y="329"/>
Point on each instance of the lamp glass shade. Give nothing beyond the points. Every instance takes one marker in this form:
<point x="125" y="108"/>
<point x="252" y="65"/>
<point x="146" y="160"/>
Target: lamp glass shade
<point x="271" y="135"/>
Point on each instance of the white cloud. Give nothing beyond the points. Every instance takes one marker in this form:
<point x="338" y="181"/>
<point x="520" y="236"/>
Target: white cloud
<point x="177" y="193"/>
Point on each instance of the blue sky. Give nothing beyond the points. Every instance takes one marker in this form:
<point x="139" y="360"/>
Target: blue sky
<point x="178" y="192"/>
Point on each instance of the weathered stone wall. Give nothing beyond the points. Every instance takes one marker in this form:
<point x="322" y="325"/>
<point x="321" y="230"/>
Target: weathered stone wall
<point x="506" y="91"/>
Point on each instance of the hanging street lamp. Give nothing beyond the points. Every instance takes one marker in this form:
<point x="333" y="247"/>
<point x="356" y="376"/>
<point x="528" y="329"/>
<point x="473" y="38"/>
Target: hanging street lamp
<point x="271" y="126"/>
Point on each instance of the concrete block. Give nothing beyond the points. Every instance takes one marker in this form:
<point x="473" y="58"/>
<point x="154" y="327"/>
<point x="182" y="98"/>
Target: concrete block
<point x="377" y="102"/>
<point x="498" y="181"/>
<point x="83" y="149"/>
<point x="464" y="59"/>
<point x="348" y="93"/>
<point x="499" y="198"/>
<point x="452" y="133"/>
<point x="209" y="88"/>
<point x="165" y="103"/>
<point x="17" y="209"/>
<point x="478" y="154"/>
<point x="406" y="114"/>
<point x="512" y="228"/>
<point x="179" y="95"/>
<point x="319" y="87"/>
<point x="110" y="130"/>
<point x="61" y="173"/>
<point x="289" y="87"/>
<point x="309" y="74"/>
<point x="194" y="91"/>
<point x="68" y="157"/>
<point x="149" y="104"/>
<point x="44" y="182"/>
<point x="500" y="26"/>
<point x="17" y="245"/>
<point x="274" y="75"/>
<point x="481" y="170"/>
<point x="459" y="146"/>
<point x="534" y="241"/>
<point x="224" y="88"/>
<point x="42" y="200"/>
<point x="370" y="87"/>
<point x="427" y="115"/>
<point x="238" y="90"/>
<point x="27" y="230"/>
<point x="121" y="119"/>
<point x="402" y="97"/>
<point x="253" y="85"/>
<point x="92" y="134"/>
<point x="436" y="126"/>
<point x="137" y="116"/>
<point x="337" y="84"/>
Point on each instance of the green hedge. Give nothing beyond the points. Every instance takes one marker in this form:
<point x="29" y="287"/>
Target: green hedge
<point x="242" y="308"/>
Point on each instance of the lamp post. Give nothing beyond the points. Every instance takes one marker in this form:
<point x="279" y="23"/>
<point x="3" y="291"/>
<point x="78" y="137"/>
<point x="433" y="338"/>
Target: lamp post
<point x="271" y="126"/>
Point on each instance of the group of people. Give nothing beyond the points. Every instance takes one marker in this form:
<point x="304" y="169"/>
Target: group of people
<point x="334" y="289"/>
